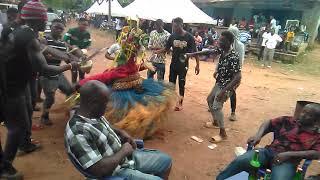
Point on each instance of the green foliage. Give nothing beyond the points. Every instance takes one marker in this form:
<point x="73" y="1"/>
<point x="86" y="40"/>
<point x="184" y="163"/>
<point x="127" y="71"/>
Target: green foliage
<point x="69" y="4"/>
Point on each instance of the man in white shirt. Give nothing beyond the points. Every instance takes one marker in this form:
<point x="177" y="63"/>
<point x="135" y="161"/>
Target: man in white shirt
<point x="271" y="43"/>
<point x="119" y="26"/>
<point x="112" y="51"/>
<point x="273" y="22"/>
<point x="265" y="35"/>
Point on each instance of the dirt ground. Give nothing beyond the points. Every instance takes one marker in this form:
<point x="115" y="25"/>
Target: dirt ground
<point x="263" y="94"/>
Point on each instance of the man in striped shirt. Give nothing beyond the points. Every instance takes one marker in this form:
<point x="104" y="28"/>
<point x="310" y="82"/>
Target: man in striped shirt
<point x="52" y="83"/>
<point x="80" y="38"/>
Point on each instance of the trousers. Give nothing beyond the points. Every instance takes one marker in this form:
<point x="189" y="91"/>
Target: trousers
<point x="180" y="72"/>
<point x="242" y="163"/>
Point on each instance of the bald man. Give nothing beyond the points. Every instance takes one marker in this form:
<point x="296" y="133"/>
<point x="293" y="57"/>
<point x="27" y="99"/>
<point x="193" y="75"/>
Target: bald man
<point x="102" y="150"/>
<point x="294" y="140"/>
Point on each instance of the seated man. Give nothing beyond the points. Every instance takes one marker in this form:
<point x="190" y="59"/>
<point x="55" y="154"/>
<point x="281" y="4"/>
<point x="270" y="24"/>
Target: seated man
<point x="294" y="140"/>
<point x="102" y="150"/>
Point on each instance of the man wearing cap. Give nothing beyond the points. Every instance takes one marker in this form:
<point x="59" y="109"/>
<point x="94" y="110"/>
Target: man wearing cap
<point x="24" y="58"/>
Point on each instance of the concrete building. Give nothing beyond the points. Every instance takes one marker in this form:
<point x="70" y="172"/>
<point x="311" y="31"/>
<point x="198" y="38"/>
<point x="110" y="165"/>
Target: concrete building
<point x="307" y="11"/>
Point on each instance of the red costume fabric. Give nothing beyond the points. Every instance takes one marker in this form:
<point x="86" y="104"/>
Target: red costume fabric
<point x="109" y="75"/>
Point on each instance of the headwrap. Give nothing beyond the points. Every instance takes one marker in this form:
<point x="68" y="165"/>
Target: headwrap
<point x="235" y="31"/>
<point x="34" y="9"/>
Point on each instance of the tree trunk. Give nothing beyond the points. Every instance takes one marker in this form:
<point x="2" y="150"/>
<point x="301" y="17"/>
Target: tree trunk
<point x="311" y="18"/>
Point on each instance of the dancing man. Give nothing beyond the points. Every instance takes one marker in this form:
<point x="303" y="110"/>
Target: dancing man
<point x="181" y="42"/>
<point x="228" y="77"/>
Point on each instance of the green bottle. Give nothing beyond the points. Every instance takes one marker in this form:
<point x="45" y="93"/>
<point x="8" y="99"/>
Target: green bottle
<point x="298" y="175"/>
<point x="252" y="177"/>
<point x="267" y="176"/>
<point x="255" y="165"/>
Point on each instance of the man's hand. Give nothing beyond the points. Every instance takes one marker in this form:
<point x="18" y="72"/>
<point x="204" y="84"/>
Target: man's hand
<point x="197" y="69"/>
<point x="281" y="158"/>
<point x="127" y="149"/>
<point x="215" y="75"/>
<point x="126" y="138"/>
<point x="254" y="140"/>
<point x="220" y="96"/>
<point x="75" y="65"/>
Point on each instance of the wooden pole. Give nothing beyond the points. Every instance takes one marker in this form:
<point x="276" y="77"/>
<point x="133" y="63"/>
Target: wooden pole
<point x="109" y="17"/>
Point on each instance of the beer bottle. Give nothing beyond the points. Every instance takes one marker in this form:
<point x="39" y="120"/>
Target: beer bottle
<point x="298" y="175"/>
<point x="267" y="176"/>
<point x="255" y="164"/>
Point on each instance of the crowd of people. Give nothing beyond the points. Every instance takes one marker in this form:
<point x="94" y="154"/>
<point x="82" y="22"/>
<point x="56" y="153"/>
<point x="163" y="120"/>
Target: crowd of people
<point x="98" y="136"/>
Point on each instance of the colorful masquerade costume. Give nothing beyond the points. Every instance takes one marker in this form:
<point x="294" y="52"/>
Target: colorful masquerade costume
<point x="137" y="105"/>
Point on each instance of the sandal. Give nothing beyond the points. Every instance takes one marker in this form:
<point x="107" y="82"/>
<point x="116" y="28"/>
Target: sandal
<point x="210" y="125"/>
<point x="217" y="139"/>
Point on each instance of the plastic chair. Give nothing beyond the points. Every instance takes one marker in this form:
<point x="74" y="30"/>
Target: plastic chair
<point x="140" y="145"/>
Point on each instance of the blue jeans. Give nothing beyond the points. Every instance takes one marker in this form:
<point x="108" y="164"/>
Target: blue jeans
<point x="160" y="70"/>
<point x="242" y="163"/>
<point x="149" y="165"/>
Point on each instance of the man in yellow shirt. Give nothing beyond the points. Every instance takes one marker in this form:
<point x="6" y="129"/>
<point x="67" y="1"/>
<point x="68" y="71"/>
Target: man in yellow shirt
<point x="289" y="39"/>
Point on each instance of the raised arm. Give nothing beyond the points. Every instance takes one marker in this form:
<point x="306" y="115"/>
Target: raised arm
<point x="40" y="63"/>
<point x="264" y="129"/>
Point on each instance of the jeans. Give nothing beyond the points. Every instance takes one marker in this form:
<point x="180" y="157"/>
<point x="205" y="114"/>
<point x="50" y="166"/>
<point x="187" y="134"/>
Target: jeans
<point x="18" y="120"/>
<point x="160" y="70"/>
<point x="216" y="106"/>
<point x="261" y="53"/>
<point x="179" y="71"/>
<point x="50" y="86"/>
<point x="149" y="165"/>
<point x="74" y="75"/>
<point x="268" y="56"/>
<point x="242" y="163"/>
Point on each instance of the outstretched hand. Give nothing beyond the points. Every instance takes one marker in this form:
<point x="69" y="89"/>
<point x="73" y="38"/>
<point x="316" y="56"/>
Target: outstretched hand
<point x="254" y="140"/>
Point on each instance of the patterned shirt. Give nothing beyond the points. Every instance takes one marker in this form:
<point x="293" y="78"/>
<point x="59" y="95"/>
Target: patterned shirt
<point x="159" y="41"/>
<point x="89" y="140"/>
<point x="228" y="66"/>
<point x="288" y="136"/>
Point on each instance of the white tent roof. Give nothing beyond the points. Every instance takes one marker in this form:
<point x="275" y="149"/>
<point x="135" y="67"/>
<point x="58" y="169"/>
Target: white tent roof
<point x="103" y="9"/>
<point x="167" y="10"/>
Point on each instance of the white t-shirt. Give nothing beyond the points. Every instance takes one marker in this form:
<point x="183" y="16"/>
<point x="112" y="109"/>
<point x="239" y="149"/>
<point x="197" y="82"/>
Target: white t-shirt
<point x="272" y="41"/>
<point x="265" y="36"/>
<point x="114" y="49"/>
<point x="273" y="23"/>
<point x="276" y="30"/>
<point x="119" y="24"/>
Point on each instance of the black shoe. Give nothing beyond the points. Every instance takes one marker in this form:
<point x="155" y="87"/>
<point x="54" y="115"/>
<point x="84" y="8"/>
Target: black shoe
<point x="28" y="149"/>
<point x="10" y="173"/>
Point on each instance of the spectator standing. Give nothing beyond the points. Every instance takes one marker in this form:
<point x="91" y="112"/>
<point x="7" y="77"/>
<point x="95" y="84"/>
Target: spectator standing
<point x="264" y="35"/>
<point x="119" y="26"/>
<point x="198" y="40"/>
<point x="289" y="38"/>
<point x="80" y="38"/>
<point x="243" y="23"/>
<point x="271" y="42"/>
<point x="158" y="40"/>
